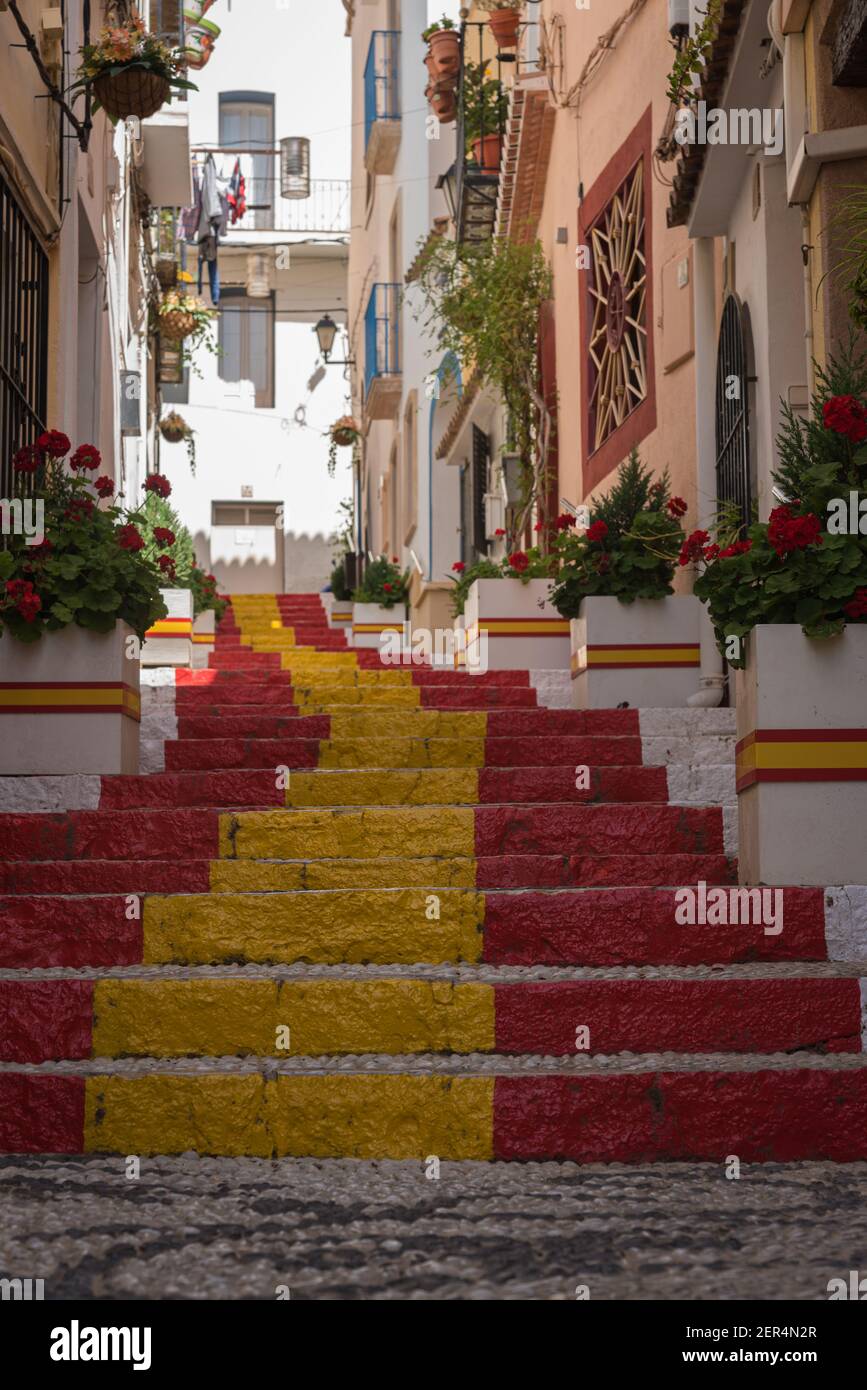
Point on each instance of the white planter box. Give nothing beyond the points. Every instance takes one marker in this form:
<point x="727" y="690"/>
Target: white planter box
<point x="802" y="757"/>
<point x="327" y="603"/>
<point x="370" y="621"/>
<point x="645" y="654"/>
<point x="70" y="703"/>
<point x="170" y="641"/>
<point x="340" y="616"/>
<point x="204" y="638"/>
<point x="517" y="624"/>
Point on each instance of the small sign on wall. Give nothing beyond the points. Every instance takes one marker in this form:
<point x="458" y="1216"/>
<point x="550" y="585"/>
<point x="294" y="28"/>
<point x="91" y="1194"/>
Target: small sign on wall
<point x="130" y="404"/>
<point x="246" y="490"/>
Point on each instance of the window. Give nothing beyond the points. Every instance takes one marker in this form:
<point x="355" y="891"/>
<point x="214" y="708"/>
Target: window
<point x="23" y="334"/>
<point x="245" y="513"/>
<point x="247" y="124"/>
<point x="246" y="341"/>
<point x="617" y="371"/>
<point x="410" y="466"/>
<point x="481" y="460"/>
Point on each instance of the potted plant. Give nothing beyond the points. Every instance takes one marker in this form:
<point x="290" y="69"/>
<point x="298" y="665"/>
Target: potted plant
<point x="633" y="641"/>
<point x="132" y="72"/>
<point x="77" y="595"/>
<point x="443" y="57"/>
<point x="344" y="433"/>
<point x="174" y="429"/>
<point x="182" y="315"/>
<point x="443" y="101"/>
<point x="340" y="610"/>
<point x="486" y="108"/>
<point x="504" y="19"/>
<point x="379" y="603"/>
<point x="788" y="601"/>
<point x="508" y="617"/>
<point x="208" y="609"/>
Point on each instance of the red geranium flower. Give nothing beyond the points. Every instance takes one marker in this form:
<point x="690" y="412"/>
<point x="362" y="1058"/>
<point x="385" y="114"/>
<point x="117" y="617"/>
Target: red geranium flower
<point x="167" y="565"/>
<point x="163" y="536"/>
<point x="564" y="521"/>
<point x="16" y="587"/>
<point x="79" y="509"/>
<point x="26" y="460"/>
<point x="857" y="605"/>
<point x="29" y="605"/>
<point x="519" y="561"/>
<point x="711" y="552"/>
<point x="459" y="567"/>
<point x="129" y="538"/>
<point x="54" y="443"/>
<point x="158" y="484"/>
<point x="86" y="456"/>
<point x="104" y="486"/>
<point x="597" y="532"/>
<point x="395" y="560"/>
<point x="677" y="507"/>
<point x="739" y="548"/>
<point x="787" y="532"/>
<point x="42" y="548"/>
<point x="844" y="415"/>
<point x="693" y="547"/>
<point x="387" y="588"/>
<point x="499" y="531"/>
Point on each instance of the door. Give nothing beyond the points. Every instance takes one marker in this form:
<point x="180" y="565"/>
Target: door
<point x="247" y="547"/>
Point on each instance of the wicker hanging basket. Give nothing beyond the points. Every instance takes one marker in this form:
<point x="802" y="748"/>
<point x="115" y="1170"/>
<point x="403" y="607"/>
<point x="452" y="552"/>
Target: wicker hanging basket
<point x="173" y="428"/>
<point x="131" y="92"/>
<point x="177" y="324"/>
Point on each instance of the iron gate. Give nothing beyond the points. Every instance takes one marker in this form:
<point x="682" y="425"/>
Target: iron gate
<point x="23" y="334"/>
<point x="732" y="413"/>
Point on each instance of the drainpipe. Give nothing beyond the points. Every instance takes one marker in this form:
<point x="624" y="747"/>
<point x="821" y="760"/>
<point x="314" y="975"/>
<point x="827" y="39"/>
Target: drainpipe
<point x="806" y="252"/>
<point x="704" y="310"/>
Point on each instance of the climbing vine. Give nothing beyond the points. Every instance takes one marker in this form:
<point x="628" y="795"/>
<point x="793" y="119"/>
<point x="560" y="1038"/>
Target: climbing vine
<point x="692" y="57"/>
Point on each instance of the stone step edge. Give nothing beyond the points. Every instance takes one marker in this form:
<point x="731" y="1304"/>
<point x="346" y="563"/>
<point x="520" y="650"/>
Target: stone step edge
<point x="457" y="973"/>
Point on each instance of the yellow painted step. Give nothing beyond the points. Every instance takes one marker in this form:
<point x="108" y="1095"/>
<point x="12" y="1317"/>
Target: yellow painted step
<point x="447" y="786"/>
<point x="311" y="700"/>
<point x="304" y="675"/>
<point x="262" y="1018"/>
<point x="392" y="1116"/>
<point x="415" y="723"/>
<point x="411" y="831"/>
<point x="402" y="752"/>
<point x="264" y="876"/>
<point x="400" y="926"/>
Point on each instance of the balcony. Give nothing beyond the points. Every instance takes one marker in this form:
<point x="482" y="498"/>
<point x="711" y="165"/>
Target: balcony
<point x="381" y="102"/>
<point x="481" y="127"/>
<point x="383" y="382"/>
<point x="324" y="212"/>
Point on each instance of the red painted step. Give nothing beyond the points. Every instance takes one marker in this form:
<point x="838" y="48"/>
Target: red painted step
<point x="83" y="876"/>
<point x="563" y="751"/>
<point x="205" y="753"/>
<point x="247" y="724"/>
<point x="224" y="790"/>
<point x="41" y="932"/>
<point x="598" y="830"/>
<point x="765" y="1116"/>
<point x="534" y="784"/>
<point x="743" y="1015"/>
<point x="636" y="926"/>
<point x="41" y="1020"/>
<point x="532" y="870"/>
<point x="178" y="835"/>
<point x="471" y="696"/>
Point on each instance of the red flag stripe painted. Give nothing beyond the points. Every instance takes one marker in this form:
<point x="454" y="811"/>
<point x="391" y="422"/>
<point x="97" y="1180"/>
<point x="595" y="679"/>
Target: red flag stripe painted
<point x="41" y="1114"/>
<point x="45" y="1019"/>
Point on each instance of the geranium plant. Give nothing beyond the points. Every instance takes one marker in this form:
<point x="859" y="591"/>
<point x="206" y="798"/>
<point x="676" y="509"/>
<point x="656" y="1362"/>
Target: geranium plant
<point x="519" y="564"/>
<point x="629" y="550"/>
<point x="807" y="563"/>
<point x="383" y="583"/>
<point x="168" y="546"/>
<point x="90" y="568"/>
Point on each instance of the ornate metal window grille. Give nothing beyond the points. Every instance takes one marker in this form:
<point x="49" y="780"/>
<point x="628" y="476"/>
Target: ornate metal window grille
<point x="617" y="286"/>
<point x="732" y="413"/>
<point x="23" y="334"/>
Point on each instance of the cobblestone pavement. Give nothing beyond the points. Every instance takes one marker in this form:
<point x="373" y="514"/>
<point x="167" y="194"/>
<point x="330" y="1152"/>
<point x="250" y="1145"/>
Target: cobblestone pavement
<point x="239" y="1228"/>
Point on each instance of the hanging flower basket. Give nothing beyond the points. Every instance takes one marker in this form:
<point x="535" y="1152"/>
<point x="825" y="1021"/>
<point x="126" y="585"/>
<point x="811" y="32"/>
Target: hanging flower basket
<point x="131" y="92"/>
<point x="345" y="431"/>
<point x="183" y="316"/>
<point x="177" y="324"/>
<point x="173" y="428"/>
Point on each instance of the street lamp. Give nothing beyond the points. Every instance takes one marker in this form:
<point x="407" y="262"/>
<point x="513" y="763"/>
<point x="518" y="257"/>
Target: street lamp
<point x="326" y="332"/>
<point x="447" y="183"/>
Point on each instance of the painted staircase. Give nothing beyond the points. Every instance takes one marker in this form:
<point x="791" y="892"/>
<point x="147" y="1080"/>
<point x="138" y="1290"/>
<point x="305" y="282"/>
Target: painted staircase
<point x="375" y="912"/>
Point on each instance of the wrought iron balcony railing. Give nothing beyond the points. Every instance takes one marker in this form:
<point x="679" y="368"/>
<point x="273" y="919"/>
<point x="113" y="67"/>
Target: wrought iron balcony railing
<point x="381" y="334"/>
<point x="381" y="94"/>
<point x="481" y="126"/>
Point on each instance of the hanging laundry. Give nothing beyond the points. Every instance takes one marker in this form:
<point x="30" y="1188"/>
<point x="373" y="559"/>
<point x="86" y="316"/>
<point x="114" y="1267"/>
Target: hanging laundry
<point x="237" y="194"/>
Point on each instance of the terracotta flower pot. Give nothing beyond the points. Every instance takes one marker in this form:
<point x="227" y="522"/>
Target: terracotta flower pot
<point x="131" y="92"/>
<point x="443" y="101"/>
<point x="503" y="25"/>
<point x="487" y="152"/>
<point x="444" y="50"/>
<point x="177" y="324"/>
